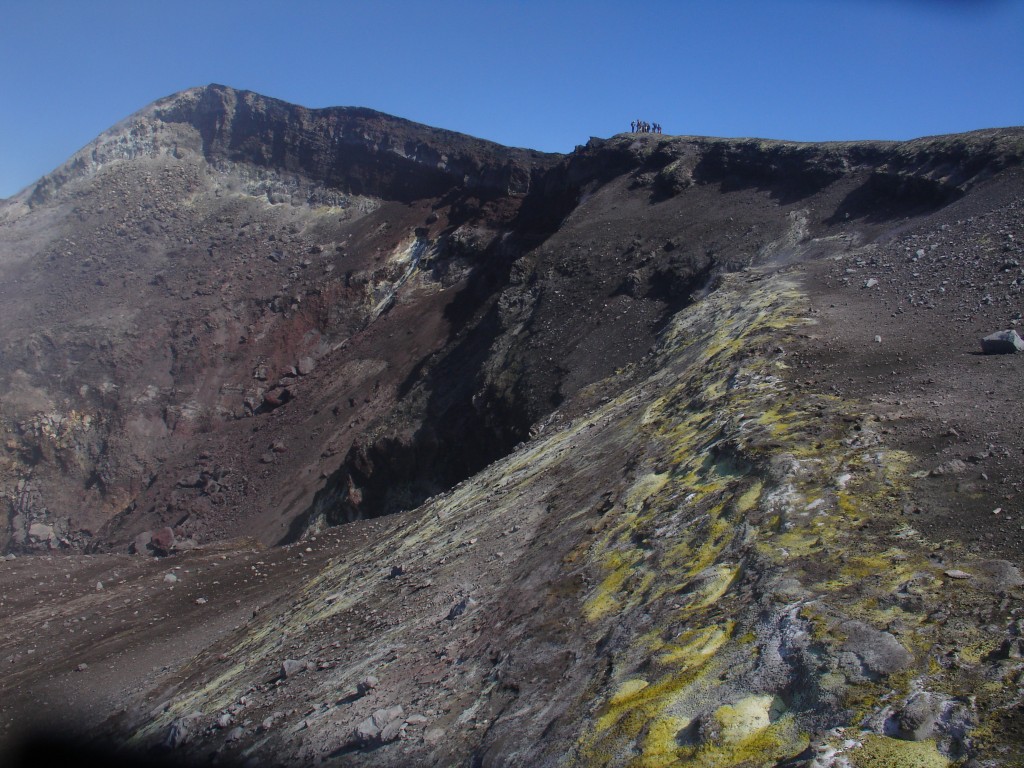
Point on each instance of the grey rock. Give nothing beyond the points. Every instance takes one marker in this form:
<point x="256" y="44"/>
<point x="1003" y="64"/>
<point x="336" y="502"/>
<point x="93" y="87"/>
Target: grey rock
<point x="181" y="730"/>
<point x="916" y="720"/>
<point x="367" y="731"/>
<point x="382" y="727"/>
<point x="141" y="544"/>
<point x="417" y="719"/>
<point x="954" y="573"/>
<point x="870" y="282"/>
<point x="1011" y="648"/>
<point x="870" y="653"/>
<point x="235" y="733"/>
<point x="1001" y="574"/>
<point x="291" y="667"/>
<point x="951" y="467"/>
<point x="366" y="685"/>
<point x="306" y="366"/>
<point x="392" y="730"/>
<point x="460" y="608"/>
<point x="384" y="716"/>
<point x="41" y="532"/>
<point x="224" y="720"/>
<point x="1002" y="343"/>
<point x="271" y="720"/>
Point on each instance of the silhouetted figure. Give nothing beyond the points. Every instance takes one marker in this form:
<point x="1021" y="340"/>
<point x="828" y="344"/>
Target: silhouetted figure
<point x="642" y="126"/>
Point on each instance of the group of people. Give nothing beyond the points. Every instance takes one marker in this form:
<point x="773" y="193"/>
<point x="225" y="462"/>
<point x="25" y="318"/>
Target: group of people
<point x="641" y="126"/>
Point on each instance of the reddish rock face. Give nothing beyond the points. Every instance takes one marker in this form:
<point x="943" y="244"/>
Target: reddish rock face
<point x="162" y="541"/>
<point x="400" y="305"/>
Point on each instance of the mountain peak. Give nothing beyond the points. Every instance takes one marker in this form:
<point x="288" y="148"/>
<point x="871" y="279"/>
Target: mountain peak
<point x="353" y="149"/>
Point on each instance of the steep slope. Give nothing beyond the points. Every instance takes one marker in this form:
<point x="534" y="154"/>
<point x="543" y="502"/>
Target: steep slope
<point x="677" y="474"/>
<point x="167" y="282"/>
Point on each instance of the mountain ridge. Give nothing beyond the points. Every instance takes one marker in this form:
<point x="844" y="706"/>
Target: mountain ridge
<point x="637" y="455"/>
<point x="226" y="119"/>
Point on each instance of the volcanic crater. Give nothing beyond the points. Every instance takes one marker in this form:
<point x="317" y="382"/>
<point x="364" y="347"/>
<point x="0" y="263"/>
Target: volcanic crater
<point x="331" y="438"/>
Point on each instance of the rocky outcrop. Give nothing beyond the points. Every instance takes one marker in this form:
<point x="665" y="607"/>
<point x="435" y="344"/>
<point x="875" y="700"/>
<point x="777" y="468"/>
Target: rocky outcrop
<point x="352" y="150"/>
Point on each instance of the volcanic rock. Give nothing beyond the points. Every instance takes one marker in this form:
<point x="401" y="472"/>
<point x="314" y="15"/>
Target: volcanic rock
<point x="1002" y="343"/>
<point x="162" y="541"/>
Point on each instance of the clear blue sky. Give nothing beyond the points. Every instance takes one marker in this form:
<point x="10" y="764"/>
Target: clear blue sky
<point x="542" y="74"/>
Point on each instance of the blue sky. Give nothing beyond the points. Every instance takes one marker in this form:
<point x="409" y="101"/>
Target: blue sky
<point x="546" y="75"/>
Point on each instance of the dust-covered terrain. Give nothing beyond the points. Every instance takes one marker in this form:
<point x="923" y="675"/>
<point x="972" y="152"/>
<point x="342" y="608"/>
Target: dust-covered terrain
<point x="331" y="438"/>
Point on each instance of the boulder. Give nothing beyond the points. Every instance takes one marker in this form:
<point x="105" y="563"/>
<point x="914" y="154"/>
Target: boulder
<point x="306" y="366"/>
<point x="1002" y="343"/>
<point x="141" y="543"/>
<point x="41" y="532"/>
<point x="1001" y="574"/>
<point x="387" y="715"/>
<point x="460" y="608"/>
<point x="392" y="730"/>
<point x="916" y="720"/>
<point x="383" y="726"/>
<point x="367" y="731"/>
<point x="870" y="653"/>
<point x="181" y="730"/>
<point x="270" y="721"/>
<point x="162" y="541"/>
<point x="367" y="684"/>
<point x="291" y="667"/>
<point x="951" y="467"/>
